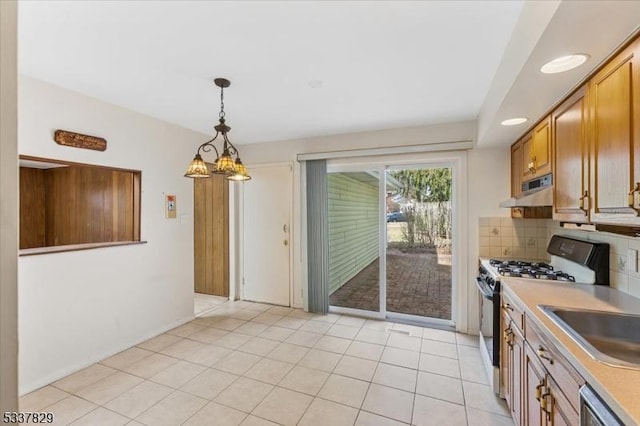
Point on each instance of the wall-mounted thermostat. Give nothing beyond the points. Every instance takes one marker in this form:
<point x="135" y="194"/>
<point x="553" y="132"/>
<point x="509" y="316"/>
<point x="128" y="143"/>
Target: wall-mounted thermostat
<point x="171" y="207"/>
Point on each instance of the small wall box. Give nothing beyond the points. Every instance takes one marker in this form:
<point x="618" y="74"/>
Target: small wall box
<point x="171" y="206"/>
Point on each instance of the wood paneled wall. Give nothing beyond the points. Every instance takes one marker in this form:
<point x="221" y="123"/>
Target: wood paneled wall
<point x="32" y="208"/>
<point x="78" y="205"/>
<point x="211" y="235"/>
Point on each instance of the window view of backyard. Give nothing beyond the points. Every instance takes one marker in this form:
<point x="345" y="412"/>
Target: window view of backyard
<point x="418" y="252"/>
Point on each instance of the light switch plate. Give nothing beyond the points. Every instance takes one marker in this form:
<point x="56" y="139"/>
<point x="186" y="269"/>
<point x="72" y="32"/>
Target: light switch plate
<point x="632" y="260"/>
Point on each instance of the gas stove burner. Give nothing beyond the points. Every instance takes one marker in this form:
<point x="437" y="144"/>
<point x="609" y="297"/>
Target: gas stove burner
<point x="529" y="273"/>
<point x="506" y="271"/>
<point x="542" y="266"/>
<point x="561" y="276"/>
<point x="532" y="270"/>
<point x="508" y="263"/>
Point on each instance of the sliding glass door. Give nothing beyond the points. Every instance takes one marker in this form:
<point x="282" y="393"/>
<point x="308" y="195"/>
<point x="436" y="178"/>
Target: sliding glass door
<point x="390" y="241"/>
<point x="419" y="242"/>
<point x="354" y="239"/>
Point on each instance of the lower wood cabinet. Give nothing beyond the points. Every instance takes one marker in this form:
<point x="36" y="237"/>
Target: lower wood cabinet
<point x="511" y="359"/>
<point x="539" y="386"/>
<point x="561" y="412"/>
<point x="534" y="385"/>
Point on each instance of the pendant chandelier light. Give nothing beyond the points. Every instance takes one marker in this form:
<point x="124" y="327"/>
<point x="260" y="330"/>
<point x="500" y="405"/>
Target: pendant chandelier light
<point x="227" y="164"/>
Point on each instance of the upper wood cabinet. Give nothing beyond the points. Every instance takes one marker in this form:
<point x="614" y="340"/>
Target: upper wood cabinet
<point x="527" y="157"/>
<point x="614" y="106"/>
<point x="571" y="159"/>
<point x="516" y="168"/>
<point x="517" y="157"/>
<point x="536" y="151"/>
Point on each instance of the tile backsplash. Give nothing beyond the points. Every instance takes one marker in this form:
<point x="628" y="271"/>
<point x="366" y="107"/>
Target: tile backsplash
<point x="514" y="238"/>
<point x="528" y="239"/>
<point x="621" y="275"/>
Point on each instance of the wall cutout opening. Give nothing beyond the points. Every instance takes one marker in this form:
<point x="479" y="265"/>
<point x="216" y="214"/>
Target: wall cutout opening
<point x="70" y="204"/>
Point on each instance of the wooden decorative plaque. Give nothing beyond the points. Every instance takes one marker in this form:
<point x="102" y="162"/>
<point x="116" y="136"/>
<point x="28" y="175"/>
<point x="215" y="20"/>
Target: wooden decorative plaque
<point x="77" y="140"/>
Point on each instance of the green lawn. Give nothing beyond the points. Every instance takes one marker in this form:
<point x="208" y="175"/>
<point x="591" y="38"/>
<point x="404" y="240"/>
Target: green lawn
<point x="394" y="231"/>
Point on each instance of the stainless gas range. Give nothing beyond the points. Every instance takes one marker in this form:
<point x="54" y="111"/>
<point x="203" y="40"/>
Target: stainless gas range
<point x="572" y="261"/>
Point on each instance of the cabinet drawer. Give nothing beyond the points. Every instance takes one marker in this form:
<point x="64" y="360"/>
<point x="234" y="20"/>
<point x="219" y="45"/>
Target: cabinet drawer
<point x="567" y="378"/>
<point x="514" y="311"/>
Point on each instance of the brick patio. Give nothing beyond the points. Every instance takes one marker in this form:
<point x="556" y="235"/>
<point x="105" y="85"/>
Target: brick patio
<point x="417" y="283"/>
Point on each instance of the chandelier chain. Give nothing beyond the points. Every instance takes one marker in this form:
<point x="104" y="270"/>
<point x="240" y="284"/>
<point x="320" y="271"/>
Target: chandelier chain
<point x="221" y="102"/>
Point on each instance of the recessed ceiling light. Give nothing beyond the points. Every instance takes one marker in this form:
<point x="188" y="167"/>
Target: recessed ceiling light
<point x="514" y="121"/>
<point x="316" y="84"/>
<point x="564" y="63"/>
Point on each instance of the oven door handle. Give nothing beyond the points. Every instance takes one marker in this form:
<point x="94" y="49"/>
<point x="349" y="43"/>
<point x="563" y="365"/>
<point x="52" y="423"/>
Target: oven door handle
<point x="485" y="290"/>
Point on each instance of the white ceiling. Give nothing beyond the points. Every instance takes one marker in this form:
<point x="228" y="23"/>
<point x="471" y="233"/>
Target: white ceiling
<point x="383" y="64"/>
<point x="547" y="30"/>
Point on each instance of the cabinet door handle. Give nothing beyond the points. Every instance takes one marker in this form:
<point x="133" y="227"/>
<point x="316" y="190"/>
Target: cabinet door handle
<point x="543" y="400"/>
<point x="633" y="200"/>
<point x="508" y="337"/>
<point x="584" y="202"/>
<point x="543" y="404"/>
<point x="539" y="390"/>
<point x="542" y="354"/>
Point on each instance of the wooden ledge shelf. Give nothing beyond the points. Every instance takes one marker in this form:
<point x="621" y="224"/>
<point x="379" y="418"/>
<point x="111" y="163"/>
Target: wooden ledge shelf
<point x="74" y="247"/>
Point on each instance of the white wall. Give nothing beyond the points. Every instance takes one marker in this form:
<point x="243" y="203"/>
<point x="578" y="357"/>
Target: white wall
<point x="76" y="308"/>
<point x="487" y="183"/>
<point x="9" y="209"/>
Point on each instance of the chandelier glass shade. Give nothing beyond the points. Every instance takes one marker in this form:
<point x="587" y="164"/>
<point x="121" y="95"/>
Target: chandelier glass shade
<point x="228" y="164"/>
<point x="197" y="168"/>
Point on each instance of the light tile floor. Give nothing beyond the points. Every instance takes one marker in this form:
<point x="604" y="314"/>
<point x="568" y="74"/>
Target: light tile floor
<point x="205" y="302"/>
<point x="244" y="363"/>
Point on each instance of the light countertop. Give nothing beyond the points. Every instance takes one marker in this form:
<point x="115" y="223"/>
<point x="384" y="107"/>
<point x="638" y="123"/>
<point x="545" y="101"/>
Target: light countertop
<point x="618" y="387"/>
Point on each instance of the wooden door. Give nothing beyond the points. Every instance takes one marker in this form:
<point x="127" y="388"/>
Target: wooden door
<point x="506" y="359"/>
<point x="561" y="412"/>
<point x="534" y="386"/>
<point x="266" y="247"/>
<point x="511" y="362"/>
<point x="614" y="103"/>
<point x="517" y="354"/>
<point x="571" y="160"/>
<point x="211" y="235"/>
<point x="541" y="142"/>
<point x="527" y="157"/>
<point x="516" y="169"/>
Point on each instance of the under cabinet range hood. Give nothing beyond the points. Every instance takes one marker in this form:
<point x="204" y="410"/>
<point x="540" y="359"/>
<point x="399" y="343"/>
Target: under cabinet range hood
<point x="535" y="193"/>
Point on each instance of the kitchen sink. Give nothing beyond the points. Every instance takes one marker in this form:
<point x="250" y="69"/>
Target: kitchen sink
<point x="612" y="338"/>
